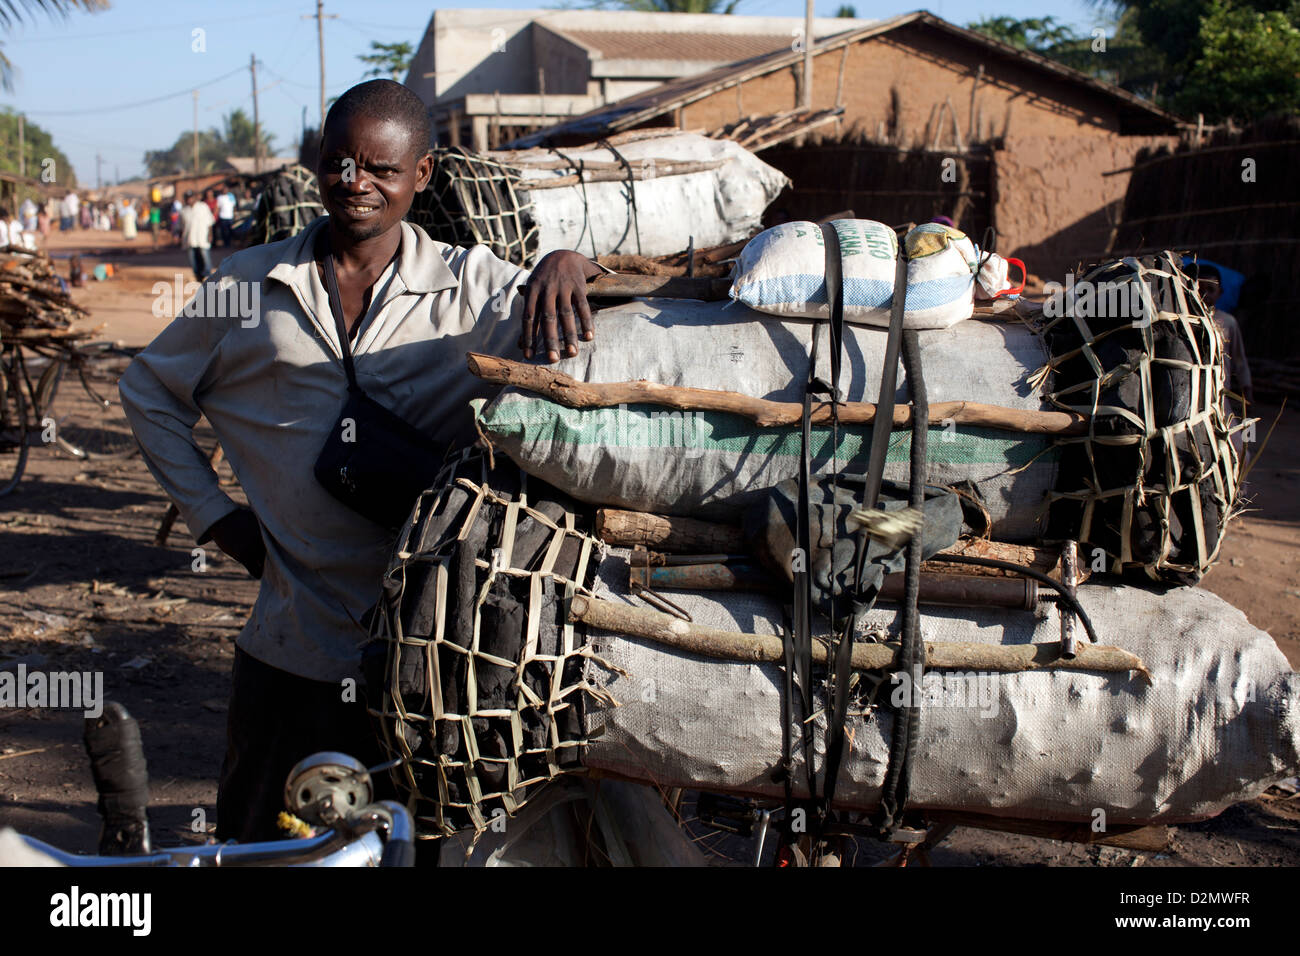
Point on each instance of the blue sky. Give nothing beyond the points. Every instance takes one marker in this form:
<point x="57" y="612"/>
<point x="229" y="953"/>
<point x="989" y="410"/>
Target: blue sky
<point x="74" y="77"/>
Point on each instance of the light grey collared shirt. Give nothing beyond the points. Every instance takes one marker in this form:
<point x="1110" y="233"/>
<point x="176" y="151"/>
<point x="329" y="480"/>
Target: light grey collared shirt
<point x="272" y="387"/>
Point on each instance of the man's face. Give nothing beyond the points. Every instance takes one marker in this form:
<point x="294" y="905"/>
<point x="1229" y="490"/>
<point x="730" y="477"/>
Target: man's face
<point x="369" y="173"/>
<point x="1209" y="290"/>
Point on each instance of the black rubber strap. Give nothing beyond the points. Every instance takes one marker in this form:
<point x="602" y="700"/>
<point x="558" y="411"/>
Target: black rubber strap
<point x="907" y="720"/>
<point x="881" y="429"/>
<point x="336" y="307"/>
<point x="838" y="684"/>
<point x="884" y="420"/>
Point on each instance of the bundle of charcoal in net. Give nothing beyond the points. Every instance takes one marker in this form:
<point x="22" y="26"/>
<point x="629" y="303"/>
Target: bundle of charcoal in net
<point x="472" y="199"/>
<point x="1153" y="483"/>
<point x="290" y="201"/>
<point x="474" y="673"/>
<point x="33" y="304"/>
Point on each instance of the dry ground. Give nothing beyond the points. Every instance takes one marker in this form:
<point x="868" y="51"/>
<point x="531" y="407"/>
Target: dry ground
<point x="83" y="587"/>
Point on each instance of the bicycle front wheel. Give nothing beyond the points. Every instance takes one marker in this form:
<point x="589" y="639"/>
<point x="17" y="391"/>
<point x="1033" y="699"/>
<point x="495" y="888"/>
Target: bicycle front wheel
<point x="88" y="422"/>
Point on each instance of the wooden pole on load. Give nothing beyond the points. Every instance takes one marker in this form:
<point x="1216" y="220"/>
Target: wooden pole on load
<point x="806" y="101"/>
<point x="571" y="393"/>
<point x="769" y="648"/>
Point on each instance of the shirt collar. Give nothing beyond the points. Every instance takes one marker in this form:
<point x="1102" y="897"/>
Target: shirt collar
<point x="419" y="263"/>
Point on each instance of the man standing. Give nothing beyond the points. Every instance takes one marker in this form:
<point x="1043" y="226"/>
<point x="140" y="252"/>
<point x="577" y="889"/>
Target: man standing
<point x="68" y="212"/>
<point x="271" y="382"/>
<point x="1236" y="366"/>
<point x="225" y="215"/>
<point x="196" y="234"/>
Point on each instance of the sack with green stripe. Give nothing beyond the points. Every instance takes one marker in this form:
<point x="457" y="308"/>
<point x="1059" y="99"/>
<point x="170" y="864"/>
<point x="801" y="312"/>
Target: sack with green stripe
<point x="713" y="464"/>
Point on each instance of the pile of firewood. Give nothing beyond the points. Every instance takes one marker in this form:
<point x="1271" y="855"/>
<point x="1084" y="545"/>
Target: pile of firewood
<point x="33" y="304"/>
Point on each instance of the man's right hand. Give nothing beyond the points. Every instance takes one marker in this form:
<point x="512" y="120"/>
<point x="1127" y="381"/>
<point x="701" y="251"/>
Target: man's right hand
<point x="239" y="534"/>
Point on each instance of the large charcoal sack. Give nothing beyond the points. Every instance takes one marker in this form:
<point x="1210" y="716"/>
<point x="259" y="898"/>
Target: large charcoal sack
<point x="526" y="203"/>
<point x="1218" y="725"/>
<point x="723" y="201"/>
<point x="713" y="465"/>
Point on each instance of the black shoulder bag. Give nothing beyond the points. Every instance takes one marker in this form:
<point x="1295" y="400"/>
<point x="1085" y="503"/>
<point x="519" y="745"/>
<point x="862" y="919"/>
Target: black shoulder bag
<point x="374" y="462"/>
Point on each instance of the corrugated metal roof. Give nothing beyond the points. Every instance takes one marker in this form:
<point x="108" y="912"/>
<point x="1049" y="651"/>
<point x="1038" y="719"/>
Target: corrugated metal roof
<point x="673" y="45"/>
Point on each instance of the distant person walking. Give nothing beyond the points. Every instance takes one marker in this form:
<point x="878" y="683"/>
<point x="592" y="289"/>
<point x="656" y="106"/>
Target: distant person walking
<point x="196" y="234"/>
<point x="155" y="214"/>
<point x="27" y="212"/>
<point x="127" y="218"/>
<point x="68" y="212"/>
<point x="1236" y="367"/>
<point x="226" y="216"/>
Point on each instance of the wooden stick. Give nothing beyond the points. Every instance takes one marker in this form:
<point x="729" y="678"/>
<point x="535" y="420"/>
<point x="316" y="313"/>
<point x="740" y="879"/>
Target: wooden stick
<point x="678" y="535"/>
<point x="1152" y="839"/>
<point x="642" y="170"/>
<point x="664" y="287"/>
<point x="681" y="535"/>
<point x="760" y="648"/>
<point x="568" y="391"/>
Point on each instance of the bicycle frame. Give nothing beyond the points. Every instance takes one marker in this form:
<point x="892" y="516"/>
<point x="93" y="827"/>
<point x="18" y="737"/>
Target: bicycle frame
<point x="374" y="837"/>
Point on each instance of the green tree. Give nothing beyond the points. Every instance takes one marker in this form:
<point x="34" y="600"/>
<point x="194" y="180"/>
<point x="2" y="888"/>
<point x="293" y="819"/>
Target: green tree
<point x="237" y="134"/>
<point x="14" y="12"/>
<point x="1178" y="33"/>
<point x="387" y="59"/>
<point x="1124" y="60"/>
<point x="38" y="146"/>
<point x="1247" y="67"/>
<point x="847" y="12"/>
<point x="235" y="138"/>
<point x="1039" y="34"/>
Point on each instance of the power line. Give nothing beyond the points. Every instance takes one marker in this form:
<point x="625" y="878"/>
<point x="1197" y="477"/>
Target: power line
<point x="131" y="106"/>
<point x="135" y="31"/>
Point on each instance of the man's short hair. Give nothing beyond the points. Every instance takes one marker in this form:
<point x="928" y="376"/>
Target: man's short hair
<point x="390" y="100"/>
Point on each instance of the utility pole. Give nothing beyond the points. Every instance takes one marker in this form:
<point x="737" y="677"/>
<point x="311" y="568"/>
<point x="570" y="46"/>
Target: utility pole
<point x="22" y="151"/>
<point x="196" y="131"/>
<point x="99" y="180"/>
<point x="320" y="45"/>
<point x="257" y="131"/>
<point x="807" y="55"/>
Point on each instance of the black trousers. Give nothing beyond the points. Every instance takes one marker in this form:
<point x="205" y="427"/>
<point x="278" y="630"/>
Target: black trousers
<point x="276" y="719"/>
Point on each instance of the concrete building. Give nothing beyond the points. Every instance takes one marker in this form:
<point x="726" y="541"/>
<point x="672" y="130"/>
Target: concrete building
<point x="491" y="75"/>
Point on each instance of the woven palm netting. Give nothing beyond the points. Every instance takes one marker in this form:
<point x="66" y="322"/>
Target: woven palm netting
<point x="1155" y="481"/>
<point x="474" y="674"/>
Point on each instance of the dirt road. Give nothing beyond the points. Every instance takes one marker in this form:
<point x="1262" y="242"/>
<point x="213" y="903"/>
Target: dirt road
<point x="83" y="587"/>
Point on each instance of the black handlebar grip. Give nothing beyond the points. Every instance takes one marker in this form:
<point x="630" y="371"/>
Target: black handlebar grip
<point x="122" y="780"/>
